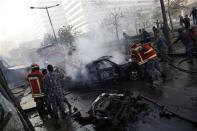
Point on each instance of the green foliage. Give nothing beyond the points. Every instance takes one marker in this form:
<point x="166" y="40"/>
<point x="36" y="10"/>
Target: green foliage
<point x="157" y="15"/>
<point x="174" y="6"/>
<point x="67" y="35"/>
<point x="48" y="40"/>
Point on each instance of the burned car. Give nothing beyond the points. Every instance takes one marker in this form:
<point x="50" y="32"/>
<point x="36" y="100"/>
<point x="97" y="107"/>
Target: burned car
<point x="104" y="70"/>
<point x="112" y="111"/>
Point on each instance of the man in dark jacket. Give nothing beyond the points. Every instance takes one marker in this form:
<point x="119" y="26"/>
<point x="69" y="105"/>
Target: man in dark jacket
<point x="186" y="22"/>
<point x="194" y="15"/>
<point x="186" y="39"/>
<point x="54" y="92"/>
<point x="146" y="36"/>
<point x="155" y="31"/>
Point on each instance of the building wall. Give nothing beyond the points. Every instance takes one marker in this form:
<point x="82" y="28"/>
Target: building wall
<point x="75" y="14"/>
<point x="88" y="15"/>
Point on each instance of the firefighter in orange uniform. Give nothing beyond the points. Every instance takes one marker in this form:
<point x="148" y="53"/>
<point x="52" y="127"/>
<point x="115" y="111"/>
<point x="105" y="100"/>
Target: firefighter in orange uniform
<point x="146" y="57"/>
<point x="35" y="79"/>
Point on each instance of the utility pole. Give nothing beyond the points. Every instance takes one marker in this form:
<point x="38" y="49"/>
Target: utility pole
<point x="46" y="8"/>
<point x="165" y="26"/>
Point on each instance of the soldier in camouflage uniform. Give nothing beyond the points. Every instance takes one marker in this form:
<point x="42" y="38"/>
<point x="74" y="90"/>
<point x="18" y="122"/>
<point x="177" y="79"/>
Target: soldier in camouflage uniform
<point x="54" y="93"/>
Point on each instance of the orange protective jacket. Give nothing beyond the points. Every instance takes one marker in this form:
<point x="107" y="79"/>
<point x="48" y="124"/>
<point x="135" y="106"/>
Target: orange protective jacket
<point x="36" y="79"/>
<point x="143" y="53"/>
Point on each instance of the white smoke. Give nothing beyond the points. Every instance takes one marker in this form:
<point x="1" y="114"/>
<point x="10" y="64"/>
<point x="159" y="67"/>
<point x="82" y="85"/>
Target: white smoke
<point x="90" y="48"/>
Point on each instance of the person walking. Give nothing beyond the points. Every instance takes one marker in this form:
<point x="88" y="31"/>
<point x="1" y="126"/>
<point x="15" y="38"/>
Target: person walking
<point x="146" y="36"/>
<point x="161" y="45"/>
<point x="186" y="39"/>
<point x="181" y="21"/>
<point x="155" y="31"/>
<point x="186" y="22"/>
<point x="194" y="15"/>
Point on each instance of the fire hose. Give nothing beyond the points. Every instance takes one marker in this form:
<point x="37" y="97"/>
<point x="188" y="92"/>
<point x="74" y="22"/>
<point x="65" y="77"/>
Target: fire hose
<point x="166" y="57"/>
<point x="173" y="113"/>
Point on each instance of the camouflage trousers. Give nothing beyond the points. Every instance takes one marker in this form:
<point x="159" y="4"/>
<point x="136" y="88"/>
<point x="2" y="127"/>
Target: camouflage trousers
<point x="56" y="104"/>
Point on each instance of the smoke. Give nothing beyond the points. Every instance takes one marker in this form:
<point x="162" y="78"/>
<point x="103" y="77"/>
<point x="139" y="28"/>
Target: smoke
<point x="90" y="48"/>
<point x="22" y="54"/>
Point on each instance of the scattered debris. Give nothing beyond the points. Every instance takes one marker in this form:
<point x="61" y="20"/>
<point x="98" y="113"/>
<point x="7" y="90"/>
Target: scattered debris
<point x="165" y="113"/>
<point x="110" y="111"/>
<point x="89" y="127"/>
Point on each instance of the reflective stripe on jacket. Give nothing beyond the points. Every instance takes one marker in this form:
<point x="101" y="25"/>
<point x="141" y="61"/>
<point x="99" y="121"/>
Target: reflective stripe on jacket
<point x="149" y="51"/>
<point x="143" y="53"/>
<point x="35" y="79"/>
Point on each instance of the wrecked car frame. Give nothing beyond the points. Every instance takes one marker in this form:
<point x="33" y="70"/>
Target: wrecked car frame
<point x="104" y="70"/>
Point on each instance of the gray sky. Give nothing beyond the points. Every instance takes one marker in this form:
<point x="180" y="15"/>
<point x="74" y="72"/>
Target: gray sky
<point x="16" y="23"/>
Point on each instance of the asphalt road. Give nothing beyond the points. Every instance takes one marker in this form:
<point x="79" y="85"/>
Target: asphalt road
<point x="178" y="94"/>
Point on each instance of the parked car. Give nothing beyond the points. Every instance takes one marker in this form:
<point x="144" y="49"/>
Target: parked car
<point x="103" y="70"/>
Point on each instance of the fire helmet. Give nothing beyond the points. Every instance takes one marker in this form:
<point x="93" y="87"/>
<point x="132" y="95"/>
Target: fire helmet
<point x="34" y="66"/>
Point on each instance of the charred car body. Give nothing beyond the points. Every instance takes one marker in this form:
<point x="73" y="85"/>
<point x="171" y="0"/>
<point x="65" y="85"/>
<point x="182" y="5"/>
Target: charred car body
<point x="112" y="111"/>
<point x="104" y="70"/>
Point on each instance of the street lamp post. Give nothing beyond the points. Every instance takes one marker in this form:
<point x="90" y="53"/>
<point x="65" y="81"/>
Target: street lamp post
<point x="46" y="8"/>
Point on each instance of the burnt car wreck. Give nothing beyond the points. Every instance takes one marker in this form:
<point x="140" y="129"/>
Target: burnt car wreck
<point x="125" y="111"/>
<point x="112" y="111"/>
<point x="104" y="70"/>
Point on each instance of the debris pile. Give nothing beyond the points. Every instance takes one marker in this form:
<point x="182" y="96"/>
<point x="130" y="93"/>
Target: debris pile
<point x="113" y="111"/>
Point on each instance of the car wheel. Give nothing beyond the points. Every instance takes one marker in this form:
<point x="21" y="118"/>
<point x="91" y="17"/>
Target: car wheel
<point x="133" y="75"/>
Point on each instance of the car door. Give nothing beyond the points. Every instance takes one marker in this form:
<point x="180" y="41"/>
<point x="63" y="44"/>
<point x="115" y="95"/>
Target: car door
<point x="93" y="73"/>
<point x="106" y="70"/>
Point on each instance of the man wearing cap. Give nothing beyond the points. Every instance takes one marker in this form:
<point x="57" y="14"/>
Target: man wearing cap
<point x="35" y="79"/>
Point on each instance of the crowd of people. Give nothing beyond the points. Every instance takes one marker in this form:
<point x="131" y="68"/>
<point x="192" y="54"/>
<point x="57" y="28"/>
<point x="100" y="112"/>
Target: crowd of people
<point x="152" y="48"/>
<point x="185" y="22"/>
<point x="48" y="92"/>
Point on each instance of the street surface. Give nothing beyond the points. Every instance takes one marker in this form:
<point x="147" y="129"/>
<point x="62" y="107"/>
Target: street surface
<point x="178" y="94"/>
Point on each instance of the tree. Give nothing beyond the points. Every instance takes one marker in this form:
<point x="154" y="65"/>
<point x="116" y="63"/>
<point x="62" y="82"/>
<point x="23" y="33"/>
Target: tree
<point x="67" y="35"/>
<point x="165" y="25"/>
<point x="173" y="6"/>
<point x="157" y="15"/>
<point x="48" y="40"/>
<point x="113" y="20"/>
